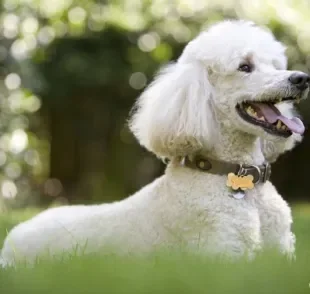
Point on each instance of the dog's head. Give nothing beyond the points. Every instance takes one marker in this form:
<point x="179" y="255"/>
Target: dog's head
<point x="235" y="75"/>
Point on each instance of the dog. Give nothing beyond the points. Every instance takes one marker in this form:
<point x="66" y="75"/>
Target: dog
<point x="218" y="116"/>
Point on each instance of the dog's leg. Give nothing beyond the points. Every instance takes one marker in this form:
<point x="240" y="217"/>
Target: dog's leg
<point x="276" y="221"/>
<point x="233" y="233"/>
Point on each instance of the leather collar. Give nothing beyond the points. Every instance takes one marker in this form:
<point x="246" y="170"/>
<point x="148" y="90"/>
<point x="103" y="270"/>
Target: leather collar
<point x="260" y="174"/>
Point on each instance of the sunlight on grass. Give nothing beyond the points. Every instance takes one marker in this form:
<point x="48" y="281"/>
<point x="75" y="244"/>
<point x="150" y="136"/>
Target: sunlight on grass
<point x="162" y="272"/>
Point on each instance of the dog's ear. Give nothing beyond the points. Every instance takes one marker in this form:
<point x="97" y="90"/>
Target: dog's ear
<point x="174" y="116"/>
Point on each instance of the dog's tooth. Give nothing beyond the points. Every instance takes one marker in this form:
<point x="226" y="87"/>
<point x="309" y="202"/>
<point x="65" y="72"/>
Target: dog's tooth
<point x="263" y="118"/>
<point x="283" y="127"/>
<point x="280" y="99"/>
<point x="279" y="125"/>
<point x="298" y="100"/>
<point x="250" y="110"/>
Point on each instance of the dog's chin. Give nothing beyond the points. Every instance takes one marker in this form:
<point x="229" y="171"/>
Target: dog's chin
<point x="258" y="132"/>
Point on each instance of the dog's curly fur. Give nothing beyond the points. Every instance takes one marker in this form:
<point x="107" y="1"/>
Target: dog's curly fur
<point x="188" y="109"/>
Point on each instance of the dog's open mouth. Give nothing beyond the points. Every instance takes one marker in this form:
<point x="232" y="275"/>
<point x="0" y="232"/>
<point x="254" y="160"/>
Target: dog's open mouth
<point x="269" y="117"/>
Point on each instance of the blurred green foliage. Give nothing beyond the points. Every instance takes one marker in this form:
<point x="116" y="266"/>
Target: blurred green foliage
<point x="71" y="70"/>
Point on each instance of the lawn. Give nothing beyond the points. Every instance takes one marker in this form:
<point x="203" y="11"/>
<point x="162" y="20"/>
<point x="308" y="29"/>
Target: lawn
<point x="163" y="273"/>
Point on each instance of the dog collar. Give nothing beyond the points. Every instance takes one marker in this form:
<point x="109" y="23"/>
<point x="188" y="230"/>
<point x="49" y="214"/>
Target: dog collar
<point x="239" y="176"/>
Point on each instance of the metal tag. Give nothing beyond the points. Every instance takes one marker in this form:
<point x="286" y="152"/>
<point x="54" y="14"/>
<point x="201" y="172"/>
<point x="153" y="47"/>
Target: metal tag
<point x="238" y="195"/>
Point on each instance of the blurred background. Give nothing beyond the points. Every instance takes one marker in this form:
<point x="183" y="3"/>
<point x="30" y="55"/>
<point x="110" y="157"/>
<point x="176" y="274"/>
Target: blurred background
<point x="71" y="71"/>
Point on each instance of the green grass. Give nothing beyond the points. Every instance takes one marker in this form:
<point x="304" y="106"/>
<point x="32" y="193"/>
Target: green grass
<point x="163" y="273"/>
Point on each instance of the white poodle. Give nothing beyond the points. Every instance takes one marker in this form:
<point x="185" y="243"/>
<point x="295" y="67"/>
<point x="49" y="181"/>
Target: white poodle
<point x="220" y="114"/>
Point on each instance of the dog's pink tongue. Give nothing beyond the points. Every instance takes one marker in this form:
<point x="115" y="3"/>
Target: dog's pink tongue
<point x="272" y="114"/>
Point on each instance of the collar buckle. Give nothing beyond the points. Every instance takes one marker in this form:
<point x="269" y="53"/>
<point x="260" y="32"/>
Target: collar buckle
<point x="245" y="170"/>
<point x="267" y="172"/>
<point x="260" y="174"/>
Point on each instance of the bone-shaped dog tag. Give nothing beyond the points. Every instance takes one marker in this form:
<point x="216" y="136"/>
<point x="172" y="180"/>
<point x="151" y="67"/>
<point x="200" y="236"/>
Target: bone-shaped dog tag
<point x="240" y="182"/>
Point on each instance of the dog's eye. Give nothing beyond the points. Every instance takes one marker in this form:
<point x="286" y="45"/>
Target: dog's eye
<point x="245" y="68"/>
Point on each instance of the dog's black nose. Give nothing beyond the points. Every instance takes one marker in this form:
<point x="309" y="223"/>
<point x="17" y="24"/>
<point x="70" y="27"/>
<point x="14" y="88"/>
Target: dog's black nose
<point x="300" y="80"/>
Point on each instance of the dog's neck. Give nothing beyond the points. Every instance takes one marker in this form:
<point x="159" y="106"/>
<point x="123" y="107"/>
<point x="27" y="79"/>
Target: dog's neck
<point x="238" y="147"/>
